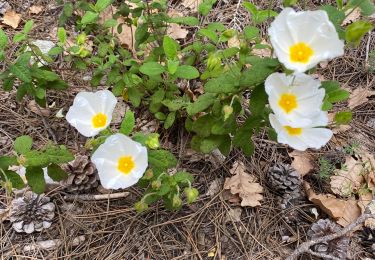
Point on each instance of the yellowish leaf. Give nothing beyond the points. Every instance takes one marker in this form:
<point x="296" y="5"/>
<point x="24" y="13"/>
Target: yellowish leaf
<point x="245" y="185"/>
<point x="234" y="42"/>
<point x="302" y="162"/>
<point x="12" y="19"/>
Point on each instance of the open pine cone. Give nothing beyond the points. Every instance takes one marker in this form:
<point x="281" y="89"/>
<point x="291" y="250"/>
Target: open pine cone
<point x="286" y="181"/>
<point x="337" y="247"/>
<point x="31" y="213"/>
<point x="368" y="240"/>
<point x="83" y="175"/>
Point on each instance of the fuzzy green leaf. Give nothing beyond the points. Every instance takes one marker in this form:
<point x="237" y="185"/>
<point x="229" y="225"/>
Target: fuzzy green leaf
<point x="28" y="26"/>
<point x="23" y="144"/>
<point x="102" y="4"/>
<point x="89" y="17"/>
<point x="21" y="71"/>
<point x="152" y="68"/>
<point x="35" y="178"/>
<point x="343" y="117"/>
<point x="3" y="39"/>
<point x="170" y="47"/>
<point x="355" y="32"/>
<point x="169" y="120"/>
<point x="56" y="173"/>
<point x="183" y="178"/>
<point x="258" y="100"/>
<point x="187" y="72"/>
<point x="202" y="103"/>
<point x="161" y="159"/>
<point x="14" y="179"/>
<point x="127" y="123"/>
<point x="6" y="161"/>
<point x="61" y="35"/>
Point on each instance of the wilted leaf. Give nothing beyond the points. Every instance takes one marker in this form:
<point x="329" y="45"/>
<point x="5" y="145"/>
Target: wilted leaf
<point x="36" y="9"/>
<point x="363" y="202"/>
<point x="359" y="96"/>
<point x="12" y="19"/>
<point x="35" y="108"/>
<point x="347" y="181"/>
<point x="234" y="42"/>
<point x="302" y="162"/>
<point x="244" y="185"/>
<point x="343" y="211"/>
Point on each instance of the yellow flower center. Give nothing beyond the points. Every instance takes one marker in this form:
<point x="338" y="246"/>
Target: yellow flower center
<point x="300" y="52"/>
<point x="293" y="131"/>
<point x="99" y="120"/>
<point x="288" y="102"/>
<point x="125" y="164"/>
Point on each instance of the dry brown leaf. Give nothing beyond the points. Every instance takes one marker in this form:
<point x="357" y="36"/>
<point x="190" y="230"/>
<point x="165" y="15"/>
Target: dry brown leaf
<point x="343" y="211"/>
<point x="359" y="96"/>
<point x="215" y="187"/>
<point x="4" y="214"/>
<point x="363" y="201"/>
<point x="12" y="19"/>
<point x="233" y="215"/>
<point x="36" y="9"/>
<point x="302" y="162"/>
<point x="175" y="31"/>
<point x="244" y="185"/>
<point x="234" y="42"/>
<point x="353" y="16"/>
<point x="265" y="52"/>
<point x="192" y="4"/>
<point x="35" y="108"/>
<point x="347" y="181"/>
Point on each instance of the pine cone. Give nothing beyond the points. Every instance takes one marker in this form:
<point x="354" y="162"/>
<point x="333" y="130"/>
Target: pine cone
<point x="337" y="247"/>
<point x="285" y="180"/>
<point x="31" y="213"/>
<point x="368" y="240"/>
<point x="83" y="175"/>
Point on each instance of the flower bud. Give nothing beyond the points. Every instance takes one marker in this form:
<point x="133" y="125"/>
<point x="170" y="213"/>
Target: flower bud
<point x="140" y="206"/>
<point x="83" y="52"/>
<point x="81" y="38"/>
<point x="227" y="110"/>
<point x="229" y="33"/>
<point x="191" y="194"/>
<point x="148" y="174"/>
<point x="156" y="184"/>
<point x="213" y="62"/>
<point x="153" y="141"/>
<point x="176" y="201"/>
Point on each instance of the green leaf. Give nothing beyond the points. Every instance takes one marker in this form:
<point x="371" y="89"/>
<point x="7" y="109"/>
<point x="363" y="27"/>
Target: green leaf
<point x="188" y="20"/>
<point x="226" y="83"/>
<point x="141" y="34"/>
<point x="22" y="72"/>
<point x="210" y="143"/>
<point x="58" y="154"/>
<point x="56" y="173"/>
<point x="175" y="104"/>
<point x="135" y="96"/>
<point x="89" y="17"/>
<point x="287" y="3"/>
<point x="187" y="72"/>
<point x="355" y="31"/>
<point x="44" y="74"/>
<point x="335" y="16"/>
<point x="58" y="84"/>
<point x="61" y="35"/>
<point x="170" y="47"/>
<point x="183" y="177"/>
<point x="367" y="6"/>
<point x="173" y="66"/>
<point x="251" y="32"/>
<point x="110" y="23"/>
<point x="102" y="4"/>
<point x="160" y="116"/>
<point x="161" y="159"/>
<point x="3" y="39"/>
<point x="35" y="178"/>
<point x="209" y="34"/>
<point x="15" y="179"/>
<point x="23" y="144"/>
<point x="127" y="123"/>
<point x="242" y="138"/>
<point x="205" y="7"/>
<point x="6" y="161"/>
<point x="202" y="126"/>
<point x="8" y="83"/>
<point x="258" y="72"/>
<point x="258" y="100"/>
<point x="201" y="104"/>
<point x="55" y="51"/>
<point x="338" y="96"/>
<point x="343" y="117"/>
<point x="28" y="26"/>
<point x="152" y="68"/>
<point x="19" y="37"/>
<point x="169" y="120"/>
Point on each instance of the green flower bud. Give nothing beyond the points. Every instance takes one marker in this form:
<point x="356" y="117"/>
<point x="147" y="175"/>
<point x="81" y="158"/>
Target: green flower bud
<point x="191" y="194"/>
<point x="153" y="141"/>
<point x="227" y="110"/>
<point x="213" y="62"/>
<point x="156" y="184"/>
<point x="83" y="52"/>
<point x="81" y="39"/>
<point x="229" y="33"/>
<point x="176" y="201"/>
<point x="140" y="206"/>
<point x="148" y="174"/>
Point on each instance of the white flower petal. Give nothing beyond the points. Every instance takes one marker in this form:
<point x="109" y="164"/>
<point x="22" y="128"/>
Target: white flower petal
<point x="313" y="28"/>
<point x="88" y="104"/>
<point x="316" y="137"/>
<point x="107" y="156"/>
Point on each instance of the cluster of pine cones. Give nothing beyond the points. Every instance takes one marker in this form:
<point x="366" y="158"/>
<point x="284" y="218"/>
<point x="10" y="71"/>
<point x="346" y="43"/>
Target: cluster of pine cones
<point x="32" y="212"/>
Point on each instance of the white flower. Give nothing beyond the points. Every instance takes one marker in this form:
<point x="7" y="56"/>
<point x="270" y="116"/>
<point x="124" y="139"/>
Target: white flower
<point x="296" y="99"/>
<point x="303" y="39"/>
<point x="91" y="112"/>
<point x="301" y="138"/>
<point x="120" y="161"/>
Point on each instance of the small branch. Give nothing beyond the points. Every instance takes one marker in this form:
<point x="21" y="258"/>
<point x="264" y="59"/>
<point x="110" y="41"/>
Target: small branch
<point x="305" y="247"/>
<point x="368" y="47"/>
<point x="51" y="244"/>
<point x="324" y="256"/>
<point x="90" y="197"/>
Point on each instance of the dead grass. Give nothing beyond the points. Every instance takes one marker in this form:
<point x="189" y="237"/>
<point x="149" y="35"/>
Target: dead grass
<point x="113" y="230"/>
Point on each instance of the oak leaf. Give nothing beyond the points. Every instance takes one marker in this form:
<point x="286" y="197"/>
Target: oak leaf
<point x="12" y="19"/>
<point x="36" y="9"/>
<point x="359" y="96"/>
<point x="245" y="185"/>
<point x="302" y="162"/>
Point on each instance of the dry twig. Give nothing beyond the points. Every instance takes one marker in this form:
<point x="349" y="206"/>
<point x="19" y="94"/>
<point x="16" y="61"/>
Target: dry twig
<point x="89" y="197"/>
<point x="305" y="247"/>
